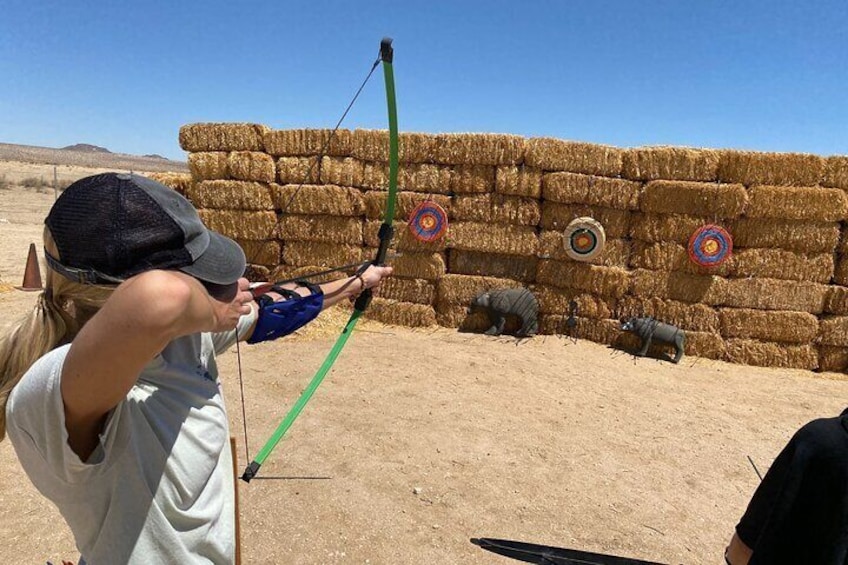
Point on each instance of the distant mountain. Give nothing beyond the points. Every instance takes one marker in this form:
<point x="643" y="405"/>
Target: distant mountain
<point x="92" y="156"/>
<point x="86" y="148"/>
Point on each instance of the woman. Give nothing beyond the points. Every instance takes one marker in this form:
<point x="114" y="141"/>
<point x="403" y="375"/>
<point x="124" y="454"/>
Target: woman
<point x="109" y="389"/>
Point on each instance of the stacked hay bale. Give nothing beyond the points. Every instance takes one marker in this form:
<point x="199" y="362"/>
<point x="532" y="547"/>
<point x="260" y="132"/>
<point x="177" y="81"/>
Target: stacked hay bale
<point x="300" y="200"/>
<point x="833" y="325"/>
<point x="578" y="180"/>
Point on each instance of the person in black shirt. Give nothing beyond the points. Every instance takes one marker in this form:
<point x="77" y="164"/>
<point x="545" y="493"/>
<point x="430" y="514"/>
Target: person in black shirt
<point x="799" y="513"/>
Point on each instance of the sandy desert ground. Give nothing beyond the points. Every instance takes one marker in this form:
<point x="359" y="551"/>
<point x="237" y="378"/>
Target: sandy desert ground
<point x="421" y="439"/>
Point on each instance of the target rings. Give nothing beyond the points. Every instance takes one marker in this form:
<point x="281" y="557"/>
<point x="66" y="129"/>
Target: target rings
<point x="428" y="222"/>
<point x="710" y="246"/>
<point x="584" y="239"/>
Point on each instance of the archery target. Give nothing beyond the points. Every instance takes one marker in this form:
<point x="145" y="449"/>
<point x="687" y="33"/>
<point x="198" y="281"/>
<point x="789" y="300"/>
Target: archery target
<point x="428" y="221"/>
<point x="710" y="246"/>
<point x="584" y="239"/>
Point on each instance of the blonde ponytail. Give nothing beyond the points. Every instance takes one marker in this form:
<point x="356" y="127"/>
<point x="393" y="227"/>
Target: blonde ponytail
<point x="60" y="311"/>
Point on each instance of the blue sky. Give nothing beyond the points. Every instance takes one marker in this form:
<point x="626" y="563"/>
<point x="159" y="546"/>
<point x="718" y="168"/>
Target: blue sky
<point x="761" y="75"/>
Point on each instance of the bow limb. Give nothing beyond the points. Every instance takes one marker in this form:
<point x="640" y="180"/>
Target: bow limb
<point x="364" y="299"/>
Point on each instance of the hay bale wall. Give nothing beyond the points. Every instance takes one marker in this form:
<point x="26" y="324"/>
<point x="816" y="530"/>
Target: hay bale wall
<point x="303" y="199"/>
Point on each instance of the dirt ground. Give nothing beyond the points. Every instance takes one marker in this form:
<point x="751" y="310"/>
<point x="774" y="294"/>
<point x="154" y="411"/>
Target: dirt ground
<point x="419" y="440"/>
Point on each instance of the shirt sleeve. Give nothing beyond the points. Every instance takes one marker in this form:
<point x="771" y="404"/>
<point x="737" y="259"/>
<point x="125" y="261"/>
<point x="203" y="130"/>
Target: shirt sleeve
<point x="224" y="340"/>
<point x="35" y="419"/>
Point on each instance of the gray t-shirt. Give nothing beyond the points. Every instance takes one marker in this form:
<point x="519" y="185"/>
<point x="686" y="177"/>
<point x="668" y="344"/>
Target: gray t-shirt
<point x="159" y="487"/>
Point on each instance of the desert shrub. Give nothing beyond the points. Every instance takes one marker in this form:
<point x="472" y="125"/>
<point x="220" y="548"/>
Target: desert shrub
<point x="4" y="183"/>
<point x="33" y="182"/>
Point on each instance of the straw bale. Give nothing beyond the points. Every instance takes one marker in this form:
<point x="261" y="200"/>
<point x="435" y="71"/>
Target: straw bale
<point x="669" y="256"/>
<point x="518" y="181"/>
<point x="373" y="145"/>
<point x="693" y="198"/>
<point x="222" y="137"/>
<point x="670" y="163"/>
<point x="842" y="244"/>
<point x="686" y="287"/>
<point x="330" y="229"/>
<point x="556" y="216"/>
<point x="459" y="290"/>
<point x="708" y="345"/>
<point x="603" y="281"/>
<point x="179" y="182"/>
<point x="474" y="322"/>
<point x="836" y="300"/>
<point x="298" y="170"/>
<point x="471" y="179"/>
<point x="496" y="208"/>
<point x="750" y="168"/>
<point x="833" y="358"/>
<point x="419" y="291"/>
<point x="673" y="228"/>
<point x="403" y="239"/>
<point x="257" y="273"/>
<point x="783" y="327"/>
<point x="375" y="203"/>
<point x="268" y="252"/>
<point x="704" y="344"/>
<point x="395" y="313"/>
<point x="793" y="235"/>
<point x="479" y="149"/>
<point x="430" y="266"/>
<point x="375" y="176"/>
<point x="598" y="331"/>
<point x="557" y="300"/>
<point x="238" y="224"/>
<point x="773" y="294"/>
<point x="574" y="188"/>
<point x="287" y="272"/>
<point x="616" y="252"/>
<point x="318" y="199"/>
<point x="231" y="195"/>
<point x="209" y="165"/>
<point x="323" y="255"/>
<point x="833" y="330"/>
<point x="557" y="155"/>
<point x="304" y="142"/>
<point x="766" y="354"/>
<point x="512" y="267"/>
<point x="782" y="264"/>
<point x="251" y="165"/>
<point x="797" y="203"/>
<point x="840" y="274"/>
<point x="343" y="171"/>
<point x="836" y="172"/>
<point x="488" y="238"/>
<point x="424" y="177"/>
<point x="695" y="317"/>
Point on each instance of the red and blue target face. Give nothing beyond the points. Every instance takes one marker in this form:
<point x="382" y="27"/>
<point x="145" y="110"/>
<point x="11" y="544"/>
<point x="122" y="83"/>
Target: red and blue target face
<point x="428" y="222"/>
<point x="710" y="246"/>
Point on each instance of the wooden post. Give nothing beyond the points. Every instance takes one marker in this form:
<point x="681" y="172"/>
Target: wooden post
<point x="236" y="499"/>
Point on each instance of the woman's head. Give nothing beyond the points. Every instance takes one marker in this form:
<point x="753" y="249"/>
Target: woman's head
<point x="110" y="227"/>
<point x="100" y="231"/>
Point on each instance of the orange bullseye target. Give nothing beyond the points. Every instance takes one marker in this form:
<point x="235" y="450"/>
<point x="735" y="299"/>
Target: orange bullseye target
<point x="584" y="238"/>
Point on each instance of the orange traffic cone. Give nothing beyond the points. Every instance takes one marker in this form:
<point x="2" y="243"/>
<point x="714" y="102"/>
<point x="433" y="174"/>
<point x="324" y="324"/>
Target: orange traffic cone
<point x="32" y="274"/>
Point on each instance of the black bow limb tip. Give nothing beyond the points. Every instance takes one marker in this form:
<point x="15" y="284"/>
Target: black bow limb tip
<point x="547" y="555"/>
